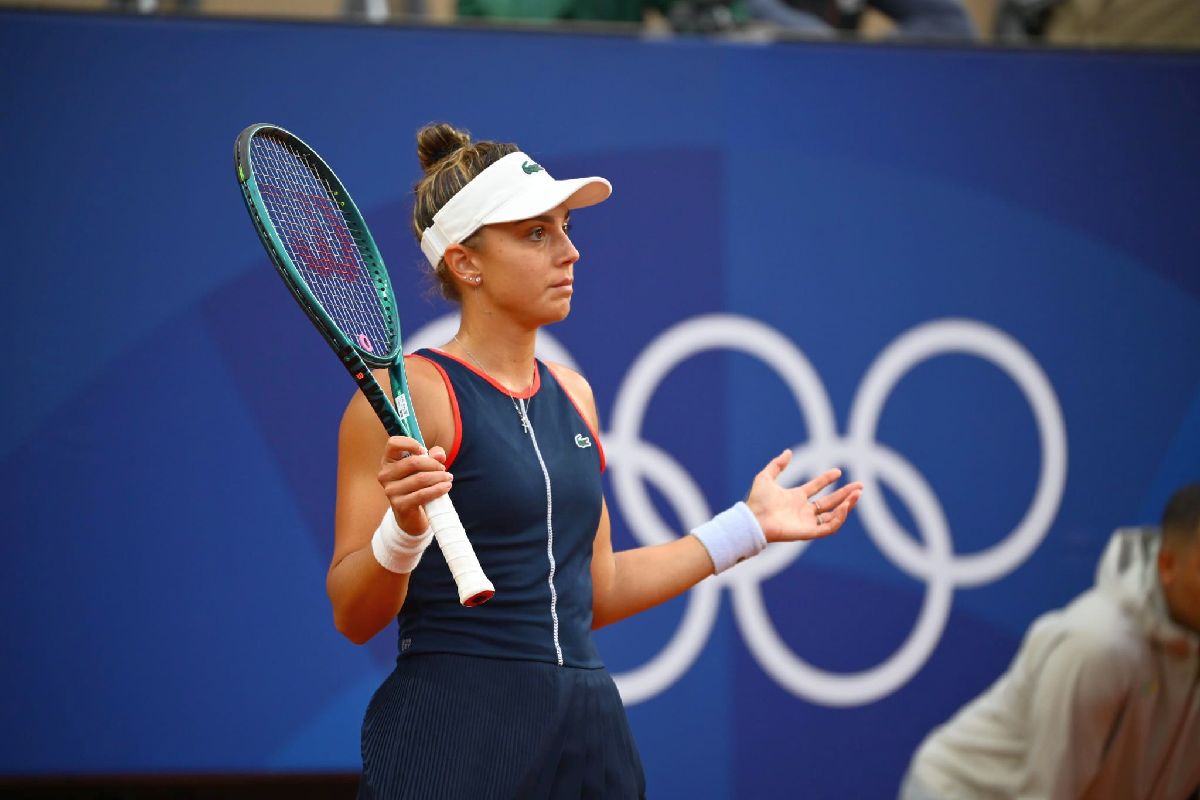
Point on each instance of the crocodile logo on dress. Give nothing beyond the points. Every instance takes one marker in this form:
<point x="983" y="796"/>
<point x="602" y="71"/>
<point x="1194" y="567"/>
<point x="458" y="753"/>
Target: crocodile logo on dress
<point x="582" y="441"/>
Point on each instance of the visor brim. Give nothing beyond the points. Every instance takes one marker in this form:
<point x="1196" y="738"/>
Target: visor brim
<point x="537" y="200"/>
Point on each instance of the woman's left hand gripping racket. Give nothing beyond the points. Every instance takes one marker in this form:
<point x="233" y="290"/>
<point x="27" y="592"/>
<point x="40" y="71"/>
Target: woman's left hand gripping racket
<point x="317" y="238"/>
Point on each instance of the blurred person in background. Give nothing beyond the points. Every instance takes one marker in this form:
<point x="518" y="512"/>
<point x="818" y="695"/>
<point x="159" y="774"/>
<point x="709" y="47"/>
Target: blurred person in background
<point x="1103" y="698"/>
<point x="1099" y="23"/>
<point x="683" y="16"/>
<point x="631" y="11"/>
<point x="914" y="19"/>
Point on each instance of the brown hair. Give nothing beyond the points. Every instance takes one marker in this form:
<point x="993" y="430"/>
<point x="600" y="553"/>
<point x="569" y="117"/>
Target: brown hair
<point x="1181" y="518"/>
<point x="450" y="160"/>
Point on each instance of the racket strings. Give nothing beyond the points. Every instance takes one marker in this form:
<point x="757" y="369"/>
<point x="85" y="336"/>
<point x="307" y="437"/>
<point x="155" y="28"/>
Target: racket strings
<point x="306" y="214"/>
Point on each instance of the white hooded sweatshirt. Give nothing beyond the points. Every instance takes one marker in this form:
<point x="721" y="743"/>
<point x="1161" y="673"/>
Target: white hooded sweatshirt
<point x="1102" y="702"/>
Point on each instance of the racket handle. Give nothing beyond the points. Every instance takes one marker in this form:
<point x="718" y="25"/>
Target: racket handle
<point x="473" y="586"/>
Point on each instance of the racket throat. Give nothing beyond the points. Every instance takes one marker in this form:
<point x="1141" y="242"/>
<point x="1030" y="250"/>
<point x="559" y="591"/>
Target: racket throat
<point x="402" y="408"/>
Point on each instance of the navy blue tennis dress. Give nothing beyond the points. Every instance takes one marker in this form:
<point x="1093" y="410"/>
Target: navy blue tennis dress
<point x="508" y="699"/>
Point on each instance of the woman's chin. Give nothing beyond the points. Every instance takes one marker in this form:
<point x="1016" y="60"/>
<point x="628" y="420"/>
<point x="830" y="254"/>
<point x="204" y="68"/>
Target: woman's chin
<point x="558" y="312"/>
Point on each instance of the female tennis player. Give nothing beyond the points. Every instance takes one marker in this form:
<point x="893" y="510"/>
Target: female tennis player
<point x="510" y="699"/>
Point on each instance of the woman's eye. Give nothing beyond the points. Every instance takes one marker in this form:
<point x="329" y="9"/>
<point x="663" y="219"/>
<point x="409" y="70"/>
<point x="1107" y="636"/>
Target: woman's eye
<point x="568" y="227"/>
<point x="537" y="234"/>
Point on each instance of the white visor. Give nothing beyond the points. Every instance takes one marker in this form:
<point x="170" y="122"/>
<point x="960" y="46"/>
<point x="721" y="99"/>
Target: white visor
<point x="514" y="188"/>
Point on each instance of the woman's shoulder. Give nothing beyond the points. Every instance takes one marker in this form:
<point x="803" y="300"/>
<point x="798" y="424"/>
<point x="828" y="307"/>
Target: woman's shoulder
<point x="576" y="387"/>
<point x="424" y="374"/>
<point x="430" y="397"/>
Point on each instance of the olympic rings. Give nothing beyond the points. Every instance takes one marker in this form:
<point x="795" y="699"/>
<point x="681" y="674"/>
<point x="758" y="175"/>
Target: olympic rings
<point x="633" y="462"/>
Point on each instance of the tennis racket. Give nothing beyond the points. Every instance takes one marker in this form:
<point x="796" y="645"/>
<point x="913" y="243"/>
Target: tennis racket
<point x="321" y="247"/>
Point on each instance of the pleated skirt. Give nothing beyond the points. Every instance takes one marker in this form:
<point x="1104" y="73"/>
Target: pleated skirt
<point x="454" y="726"/>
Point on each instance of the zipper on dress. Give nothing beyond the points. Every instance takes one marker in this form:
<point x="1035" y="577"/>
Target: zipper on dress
<point x="549" y="530"/>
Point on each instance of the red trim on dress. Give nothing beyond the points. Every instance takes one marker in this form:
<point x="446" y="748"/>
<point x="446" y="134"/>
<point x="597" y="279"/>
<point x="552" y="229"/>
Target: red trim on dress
<point x="453" y="454"/>
<point x="533" y="387"/>
<point x="582" y="416"/>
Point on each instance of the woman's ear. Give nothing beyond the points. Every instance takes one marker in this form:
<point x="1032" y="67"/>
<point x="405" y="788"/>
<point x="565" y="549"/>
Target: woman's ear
<point x="461" y="263"/>
<point x="1166" y="566"/>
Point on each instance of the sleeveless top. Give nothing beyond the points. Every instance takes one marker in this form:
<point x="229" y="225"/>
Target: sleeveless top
<point x="531" y="503"/>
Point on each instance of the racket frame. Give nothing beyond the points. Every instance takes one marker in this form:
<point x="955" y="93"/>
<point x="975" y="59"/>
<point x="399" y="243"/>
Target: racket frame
<point x="396" y="414"/>
<point x="357" y="360"/>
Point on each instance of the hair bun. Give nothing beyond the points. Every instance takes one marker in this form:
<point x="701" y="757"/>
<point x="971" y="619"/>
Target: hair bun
<point x="437" y="141"/>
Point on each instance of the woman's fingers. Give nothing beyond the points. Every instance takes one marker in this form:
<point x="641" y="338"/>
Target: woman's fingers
<point x="829" y="502"/>
<point x="408" y="494"/>
<point x="404" y="456"/>
<point x="391" y="471"/>
<point x="411" y="477"/>
<point x="777" y="465"/>
<point x="842" y="510"/>
<point x="417" y="490"/>
<point x="820" y="482"/>
<point x="831" y="521"/>
<point x="401" y="447"/>
<point x="407" y="484"/>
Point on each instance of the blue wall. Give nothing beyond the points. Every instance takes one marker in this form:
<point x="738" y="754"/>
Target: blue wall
<point x="966" y="275"/>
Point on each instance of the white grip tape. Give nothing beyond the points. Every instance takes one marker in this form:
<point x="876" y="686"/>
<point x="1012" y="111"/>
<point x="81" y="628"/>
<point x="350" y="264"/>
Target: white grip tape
<point x="456" y="549"/>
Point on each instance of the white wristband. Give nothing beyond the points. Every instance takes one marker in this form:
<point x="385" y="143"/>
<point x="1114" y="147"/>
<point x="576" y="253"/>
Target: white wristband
<point x="395" y="549"/>
<point x="731" y="536"/>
